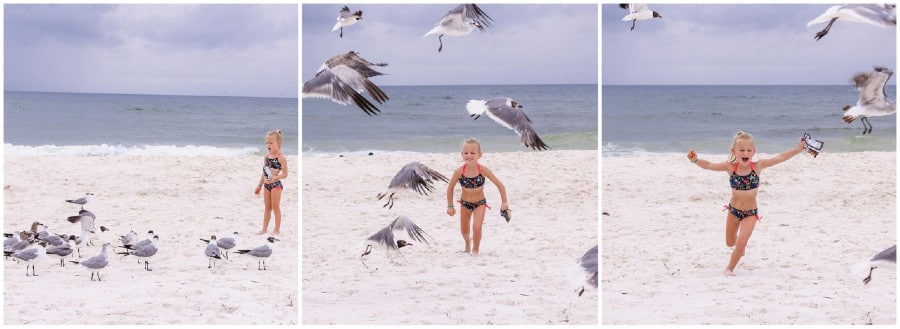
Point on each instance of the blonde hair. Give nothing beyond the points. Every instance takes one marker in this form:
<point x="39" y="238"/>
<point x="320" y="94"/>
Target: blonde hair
<point x="473" y="141"/>
<point x="739" y="136"/>
<point x="277" y="134"/>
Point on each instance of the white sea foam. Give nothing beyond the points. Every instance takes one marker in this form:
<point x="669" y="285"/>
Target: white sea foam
<point x="114" y="150"/>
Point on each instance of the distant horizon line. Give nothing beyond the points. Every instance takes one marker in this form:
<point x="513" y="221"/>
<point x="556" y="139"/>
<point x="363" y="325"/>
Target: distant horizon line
<point x="140" y="94"/>
<point x="736" y="84"/>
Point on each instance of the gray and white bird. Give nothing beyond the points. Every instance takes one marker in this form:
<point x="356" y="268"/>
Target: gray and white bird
<point x="129" y="238"/>
<point x="226" y="243"/>
<point x="29" y="255"/>
<point x="872" y="98"/>
<point x="885" y="259"/>
<point x="261" y="253"/>
<point x="391" y="240"/>
<point x="508" y="113"/>
<point x="883" y="15"/>
<point x="413" y="176"/>
<point x="82" y="200"/>
<point x="63" y="251"/>
<point x="212" y="251"/>
<point x="342" y="79"/>
<point x="638" y="12"/>
<point x="345" y="18"/>
<point x="87" y="219"/>
<point x="14" y="239"/>
<point x="585" y="271"/>
<point x="96" y="263"/>
<point x="460" y="21"/>
<point x="144" y="251"/>
<point x="143" y="242"/>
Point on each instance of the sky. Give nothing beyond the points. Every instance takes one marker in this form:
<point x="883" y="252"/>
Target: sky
<point x="527" y="44"/>
<point x="213" y="50"/>
<point x="739" y="44"/>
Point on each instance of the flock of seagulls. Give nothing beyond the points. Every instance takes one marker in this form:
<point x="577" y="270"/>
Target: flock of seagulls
<point x="29" y="246"/>
<point x="345" y="77"/>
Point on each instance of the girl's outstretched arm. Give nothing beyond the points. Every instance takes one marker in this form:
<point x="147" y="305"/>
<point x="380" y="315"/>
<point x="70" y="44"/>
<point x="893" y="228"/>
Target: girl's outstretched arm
<point x="715" y="166"/>
<point x="456" y="173"/>
<point x="781" y="157"/>
<point x="490" y="175"/>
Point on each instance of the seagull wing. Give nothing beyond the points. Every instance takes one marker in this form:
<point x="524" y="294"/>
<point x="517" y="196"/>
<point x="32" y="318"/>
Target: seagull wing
<point x="417" y="177"/>
<point x="500" y="109"/>
<point x="263" y="251"/>
<point x="403" y="223"/>
<point x="871" y="85"/>
<point x="385" y="238"/>
<point x="27" y="254"/>
<point x="889" y="254"/>
<point x="212" y="251"/>
<point x="472" y="13"/>
<point x="589" y="263"/>
<point x="878" y="15"/>
<point x="338" y="84"/>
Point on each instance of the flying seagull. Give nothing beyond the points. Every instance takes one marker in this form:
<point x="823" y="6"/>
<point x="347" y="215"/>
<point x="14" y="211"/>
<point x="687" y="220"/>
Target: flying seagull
<point x="343" y="78"/>
<point x="82" y="200"/>
<point x="87" y="219"/>
<point x="345" y="18"/>
<point x="508" y="113"/>
<point x="879" y="15"/>
<point x="225" y="243"/>
<point x="413" y="176"/>
<point x="459" y="22"/>
<point x="585" y="271"/>
<point x="638" y="12"/>
<point x="886" y="258"/>
<point x="872" y="99"/>
<point x="96" y="263"/>
<point x="385" y="237"/>
<point x="261" y="253"/>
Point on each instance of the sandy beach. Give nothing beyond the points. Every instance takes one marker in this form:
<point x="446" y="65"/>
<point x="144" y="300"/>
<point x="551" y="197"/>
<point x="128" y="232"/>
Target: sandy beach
<point x="180" y="198"/>
<point x="664" y="252"/>
<point x="519" y="278"/>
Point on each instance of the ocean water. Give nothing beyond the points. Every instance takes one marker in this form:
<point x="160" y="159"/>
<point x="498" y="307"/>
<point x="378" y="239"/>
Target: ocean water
<point x="666" y="119"/>
<point x="433" y="119"/>
<point x="117" y="124"/>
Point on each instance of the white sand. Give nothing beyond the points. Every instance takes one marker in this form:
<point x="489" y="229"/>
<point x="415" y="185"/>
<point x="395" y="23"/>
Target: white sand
<point x="664" y="253"/>
<point x="519" y="278"/>
<point x="182" y="199"/>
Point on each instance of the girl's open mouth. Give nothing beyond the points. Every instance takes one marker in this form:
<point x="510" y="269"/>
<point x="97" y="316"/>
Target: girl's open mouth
<point x="745" y="159"/>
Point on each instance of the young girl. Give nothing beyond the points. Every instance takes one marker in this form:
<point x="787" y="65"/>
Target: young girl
<point x="275" y="169"/>
<point x="471" y="177"/>
<point x="744" y="177"/>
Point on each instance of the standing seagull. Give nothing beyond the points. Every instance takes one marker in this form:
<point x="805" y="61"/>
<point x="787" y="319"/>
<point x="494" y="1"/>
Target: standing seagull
<point x="585" y="271"/>
<point x="872" y="99"/>
<point x="508" y="113"/>
<point x="29" y="255"/>
<point x="413" y="176"/>
<point x="261" y="253"/>
<point x="144" y="251"/>
<point x="342" y="78"/>
<point x="459" y="22"/>
<point x="879" y="15"/>
<point x="96" y="263"/>
<point x="227" y="243"/>
<point x="638" y="12"/>
<point x="63" y="251"/>
<point x="82" y="200"/>
<point x="212" y="251"/>
<point x="887" y="258"/>
<point x="346" y="19"/>
<point x="385" y="237"/>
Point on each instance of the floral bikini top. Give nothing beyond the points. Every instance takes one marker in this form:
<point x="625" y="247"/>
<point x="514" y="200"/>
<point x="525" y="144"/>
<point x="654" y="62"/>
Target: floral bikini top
<point x="744" y="183"/>
<point x="471" y="182"/>
<point x="269" y="164"/>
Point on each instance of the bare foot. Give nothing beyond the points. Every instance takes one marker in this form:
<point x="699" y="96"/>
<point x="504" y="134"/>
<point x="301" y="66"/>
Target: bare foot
<point x="276" y="233"/>
<point x="474" y="253"/>
<point x="729" y="272"/>
<point x="262" y="232"/>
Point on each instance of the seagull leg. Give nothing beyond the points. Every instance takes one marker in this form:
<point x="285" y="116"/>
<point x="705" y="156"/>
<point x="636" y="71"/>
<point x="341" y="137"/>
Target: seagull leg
<point x="869" y="278"/>
<point x="342" y="31"/>
<point x="147" y="265"/>
<point x="92" y="275"/>
<point x="633" y="21"/>
<point x="823" y="32"/>
<point x="581" y="292"/>
<point x="441" y="41"/>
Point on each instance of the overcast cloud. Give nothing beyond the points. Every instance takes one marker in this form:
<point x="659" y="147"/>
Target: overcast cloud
<point x="238" y="50"/>
<point x="739" y="44"/>
<point x="528" y="44"/>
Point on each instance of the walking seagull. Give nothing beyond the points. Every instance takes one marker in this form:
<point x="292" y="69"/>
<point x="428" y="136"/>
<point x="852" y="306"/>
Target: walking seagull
<point x="261" y="253"/>
<point x="459" y="22"/>
<point x="144" y="251"/>
<point x="345" y="18"/>
<point x="226" y="243"/>
<point x="413" y="176"/>
<point x="585" y="271"/>
<point x="886" y="259"/>
<point x="212" y="251"/>
<point x="82" y="200"/>
<point x="342" y="78"/>
<point x="508" y="113"/>
<point x="29" y="255"/>
<point x="96" y="263"/>
<point x="872" y="99"/>
<point x="385" y="237"/>
<point x="638" y="12"/>
<point x="879" y="15"/>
